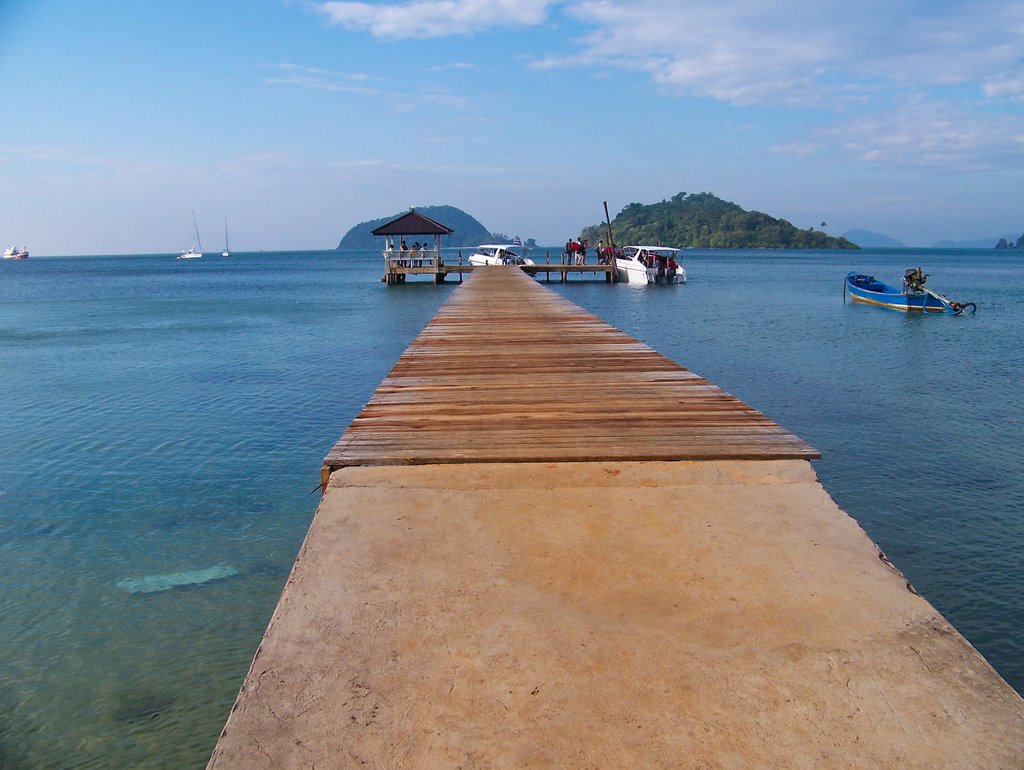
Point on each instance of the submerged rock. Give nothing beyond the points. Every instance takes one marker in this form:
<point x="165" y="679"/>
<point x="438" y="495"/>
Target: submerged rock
<point x="153" y="583"/>
<point x="135" y="707"/>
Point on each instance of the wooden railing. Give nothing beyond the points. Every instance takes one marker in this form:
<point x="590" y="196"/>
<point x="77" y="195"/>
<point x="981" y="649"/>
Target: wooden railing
<point x="412" y="258"/>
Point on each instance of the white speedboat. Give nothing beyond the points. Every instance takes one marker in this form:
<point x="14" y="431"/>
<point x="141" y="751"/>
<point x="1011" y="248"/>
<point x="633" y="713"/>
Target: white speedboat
<point x="497" y="254"/>
<point x="14" y="252"/>
<point x="649" y="264"/>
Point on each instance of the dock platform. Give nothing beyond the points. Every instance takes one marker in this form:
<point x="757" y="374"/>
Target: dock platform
<point x="398" y="269"/>
<point x="508" y="371"/>
<point x="542" y="544"/>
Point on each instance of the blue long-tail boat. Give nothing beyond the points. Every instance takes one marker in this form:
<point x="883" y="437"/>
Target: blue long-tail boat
<point x="913" y="297"/>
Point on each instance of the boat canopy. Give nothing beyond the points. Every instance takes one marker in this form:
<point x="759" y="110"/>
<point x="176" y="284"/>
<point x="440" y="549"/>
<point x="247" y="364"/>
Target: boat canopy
<point x="636" y="252"/>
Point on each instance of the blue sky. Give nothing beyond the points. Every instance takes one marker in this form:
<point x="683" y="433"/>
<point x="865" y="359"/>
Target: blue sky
<point x="296" y="120"/>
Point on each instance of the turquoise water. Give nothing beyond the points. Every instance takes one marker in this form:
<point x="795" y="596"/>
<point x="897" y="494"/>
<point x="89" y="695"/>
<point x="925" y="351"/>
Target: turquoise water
<point x="162" y="425"/>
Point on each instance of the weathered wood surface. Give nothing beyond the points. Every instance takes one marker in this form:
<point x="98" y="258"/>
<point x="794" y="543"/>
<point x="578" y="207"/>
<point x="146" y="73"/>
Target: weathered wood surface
<point x="396" y="273"/>
<point x="508" y="371"/>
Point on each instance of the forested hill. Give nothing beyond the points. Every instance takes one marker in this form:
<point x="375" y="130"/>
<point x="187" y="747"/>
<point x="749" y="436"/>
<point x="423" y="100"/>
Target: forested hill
<point x="468" y="231"/>
<point x="706" y="221"/>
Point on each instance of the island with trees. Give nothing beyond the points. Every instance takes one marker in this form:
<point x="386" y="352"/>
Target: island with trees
<point x="467" y="230"/>
<point x="703" y="220"/>
<point x="1006" y="244"/>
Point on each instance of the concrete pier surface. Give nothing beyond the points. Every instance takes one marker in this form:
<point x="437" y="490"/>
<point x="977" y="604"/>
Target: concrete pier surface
<point x="701" y="614"/>
<point x="543" y="544"/>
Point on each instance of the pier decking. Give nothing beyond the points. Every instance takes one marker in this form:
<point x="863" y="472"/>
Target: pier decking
<point x="542" y="544"/>
<point x="398" y="268"/>
<point x="508" y="371"/>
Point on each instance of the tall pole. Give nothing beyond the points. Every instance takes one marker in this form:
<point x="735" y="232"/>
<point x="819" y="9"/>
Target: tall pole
<point x="611" y="245"/>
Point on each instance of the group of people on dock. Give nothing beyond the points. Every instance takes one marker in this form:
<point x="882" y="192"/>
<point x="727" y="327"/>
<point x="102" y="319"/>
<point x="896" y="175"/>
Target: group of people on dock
<point x="404" y="256"/>
<point x="575" y="252"/>
<point x="416" y="247"/>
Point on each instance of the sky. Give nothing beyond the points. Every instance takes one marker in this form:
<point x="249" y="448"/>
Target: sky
<point x="296" y="120"/>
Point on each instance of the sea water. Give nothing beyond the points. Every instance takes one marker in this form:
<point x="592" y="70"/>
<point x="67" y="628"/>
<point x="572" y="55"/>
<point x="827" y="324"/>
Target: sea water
<point x="163" y="422"/>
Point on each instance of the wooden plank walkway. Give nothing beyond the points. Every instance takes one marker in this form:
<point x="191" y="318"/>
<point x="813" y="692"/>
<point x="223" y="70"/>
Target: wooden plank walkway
<point x="397" y="273"/>
<point x="509" y="371"/>
<point x="461" y="601"/>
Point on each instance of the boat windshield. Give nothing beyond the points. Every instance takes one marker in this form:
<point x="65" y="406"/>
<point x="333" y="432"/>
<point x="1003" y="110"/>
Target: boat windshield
<point x="663" y="253"/>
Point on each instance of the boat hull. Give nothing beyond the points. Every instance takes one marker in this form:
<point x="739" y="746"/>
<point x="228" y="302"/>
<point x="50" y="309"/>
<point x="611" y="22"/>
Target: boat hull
<point x="499" y="254"/>
<point x="638" y="274"/>
<point x="670" y="277"/>
<point x="870" y="291"/>
<point x="642" y="265"/>
<point x="628" y="271"/>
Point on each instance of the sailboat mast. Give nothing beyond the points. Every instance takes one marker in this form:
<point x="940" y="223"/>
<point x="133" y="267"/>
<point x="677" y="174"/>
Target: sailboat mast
<point x="195" y="227"/>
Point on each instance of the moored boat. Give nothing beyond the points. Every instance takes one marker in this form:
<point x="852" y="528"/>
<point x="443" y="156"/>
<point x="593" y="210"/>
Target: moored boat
<point x="649" y="264"/>
<point x="498" y="254"/>
<point x="912" y="297"/>
<point x="15" y="252"/>
<point x="227" y="250"/>
<point x="194" y="253"/>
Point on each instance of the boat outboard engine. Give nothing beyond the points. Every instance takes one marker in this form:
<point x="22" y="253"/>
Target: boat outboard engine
<point x="915" y="279"/>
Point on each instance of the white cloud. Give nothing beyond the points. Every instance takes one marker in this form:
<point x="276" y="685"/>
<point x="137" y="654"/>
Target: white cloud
<point x="923" y="135"/>
<point x="730" y="52"/>
<point x="745" y="52"/>
<point x="1009" y="87"/>
<point x="455" y="65"/>
<point x="435" y="18"/>
<point x="52" y="153"/>
<point x="807" y="52"/>
<point x="317" y="79"/>
<point x="911" y="78"/>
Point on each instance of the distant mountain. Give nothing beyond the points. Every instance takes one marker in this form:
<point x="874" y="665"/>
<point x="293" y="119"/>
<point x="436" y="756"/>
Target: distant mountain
<point x="872" y="240"/>
<point x="467" y="230"/>
<point x="706" y="221"/>
<point x="977" y="243"/>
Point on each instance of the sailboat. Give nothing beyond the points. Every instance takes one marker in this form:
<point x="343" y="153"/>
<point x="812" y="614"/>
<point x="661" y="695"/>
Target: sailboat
<point x="193" y="253"/>
<point x="227" y="251"/>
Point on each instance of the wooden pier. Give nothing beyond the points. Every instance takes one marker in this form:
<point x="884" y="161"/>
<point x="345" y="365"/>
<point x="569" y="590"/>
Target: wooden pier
<point x="508" y="371"/>
<point x="398" y="267"/>
<point x="542" y="544"/>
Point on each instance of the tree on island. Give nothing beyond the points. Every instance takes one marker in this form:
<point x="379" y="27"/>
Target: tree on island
<point x="703" y="220"/>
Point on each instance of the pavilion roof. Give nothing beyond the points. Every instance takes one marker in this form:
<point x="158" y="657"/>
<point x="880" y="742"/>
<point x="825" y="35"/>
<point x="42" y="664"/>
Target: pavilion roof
<point x="413" y="223"/>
